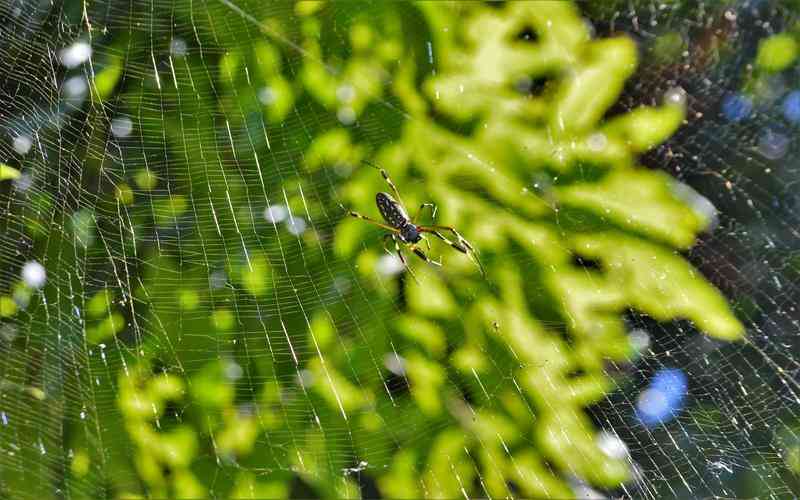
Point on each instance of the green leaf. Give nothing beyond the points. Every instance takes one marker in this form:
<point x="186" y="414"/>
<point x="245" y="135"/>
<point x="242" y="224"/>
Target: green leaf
<point x="426" y="379"/>
<point x="595" y="85"/>
<point x="639" y="200"/>
<point x="426" y="333"/>
<point x="432" y="298"/>
<point x="107" y="78"/>
<point x="8" y="172"/>
<point x="646" y="127"/>
<point x="340" y="394"/>
<point x="777" y="52"/>
<point x="660" y="282"/>
<point x="100" y="303"/>
<point x="255" y="274"/>
<point x="106" y="329"/>
<point x="8" y="307"/>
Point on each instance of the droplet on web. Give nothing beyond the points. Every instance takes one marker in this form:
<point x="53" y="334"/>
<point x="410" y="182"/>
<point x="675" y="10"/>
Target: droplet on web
<point x="341" y="285"/>
<point x="652" y="405"/>
<point x="305" y="378"/>
<point x="233" y="371"/>
<point x="394" y="363"/>
<point x="75" y="87"/>
<point x="346" y="115"/>
<point x="389" y="265"/>
<point x="597" y="141"/>
<point x="345" y="93"/>
<point x="33" y="274"/>
<point x="791" y="107"/>
<point x="24" y="182"/>
<point x="121" y="126"/>
<point x="178" y="47"/>
<point x="663" y="398"/>
<point x="773" y="145"/>
<point x="266" y="95"/>
<point x="611" y="445"/>
<point x="736" y="107"/>
<point x="639" y="340"/>
<point x="218" y="279"/>
<point x="76" y="54"/>
<point x="275" y="213"/>
<point x="675" y="95"/>
<point x="720" y="465"/>
<point x="22" y="144"/>
<point x="296" y="225"/>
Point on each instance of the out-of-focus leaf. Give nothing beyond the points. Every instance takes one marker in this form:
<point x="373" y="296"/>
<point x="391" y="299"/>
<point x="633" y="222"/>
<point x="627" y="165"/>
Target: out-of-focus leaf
<point x="661" y="283"/>
<point x="7" y="172"/>
<point x="639" y="200"/>
<point x="777" y="52"/>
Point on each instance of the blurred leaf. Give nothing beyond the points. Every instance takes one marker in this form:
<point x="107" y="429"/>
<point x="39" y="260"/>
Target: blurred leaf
<point x="431" y="297"/>
<point x="661" y="283"/>
<point x="248" y="486"/>
<point x="777" y="52"/>
<point x="338" y="392"/>
<point x="107" y="78"/>
<point x="100" y="303"/>
<point x="7" y="172"/>
<point x="7" y="306"/>
<point x="638" y="200"/>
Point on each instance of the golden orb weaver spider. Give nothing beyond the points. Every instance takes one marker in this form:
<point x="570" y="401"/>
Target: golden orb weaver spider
<point x="404" y="229"/>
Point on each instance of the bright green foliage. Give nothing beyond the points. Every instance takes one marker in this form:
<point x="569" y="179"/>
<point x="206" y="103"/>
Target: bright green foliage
<point x="142" y="400"/>
<point x="622" y="216"/>
<point x="168" y="210"/>
<point x="777" y="52"/>
<point x="7" y="306"/>
<point x="254" y="274"/>
<point x="107" y="328"/>
<point x="8" y="172"/>
<point x="107" y="78"/>
<point x="145" y="179"/>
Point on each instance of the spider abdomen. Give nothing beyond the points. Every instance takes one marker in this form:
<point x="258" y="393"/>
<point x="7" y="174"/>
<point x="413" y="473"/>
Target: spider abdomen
<point x="391" y="211"/>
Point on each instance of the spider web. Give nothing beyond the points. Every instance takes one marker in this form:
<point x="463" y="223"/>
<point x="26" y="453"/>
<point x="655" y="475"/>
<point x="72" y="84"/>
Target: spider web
<point x="135" y="197"/>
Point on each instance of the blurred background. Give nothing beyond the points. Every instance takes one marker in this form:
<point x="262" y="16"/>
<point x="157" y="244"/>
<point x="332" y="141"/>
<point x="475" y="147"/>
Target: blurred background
<point x="186" y="309"/>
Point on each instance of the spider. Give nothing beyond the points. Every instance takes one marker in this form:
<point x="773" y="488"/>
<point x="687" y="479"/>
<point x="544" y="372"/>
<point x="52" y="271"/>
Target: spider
<point x="404" y="229"/>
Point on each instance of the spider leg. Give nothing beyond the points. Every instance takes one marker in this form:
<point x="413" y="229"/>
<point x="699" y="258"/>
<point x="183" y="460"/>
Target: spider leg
<point x="419" y="253"/>
<point x="371" y="221"/>
<point x="399" y="253"/>
<point x="388" y="180"/>
<point x="461" y="244"/>
<point x="427" y="242"/>
<point x="433" y="208"/>
<point x="403" y="260"/>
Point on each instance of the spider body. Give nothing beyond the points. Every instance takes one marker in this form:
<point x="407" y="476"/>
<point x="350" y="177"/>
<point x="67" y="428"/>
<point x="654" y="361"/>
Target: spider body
<point x="394" y="213"/>
<point x="406" y="230"/>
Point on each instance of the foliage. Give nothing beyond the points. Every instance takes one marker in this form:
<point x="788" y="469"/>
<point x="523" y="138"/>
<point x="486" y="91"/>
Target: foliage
<point x="246" y="388"/>
<point x="593" y="202"/>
